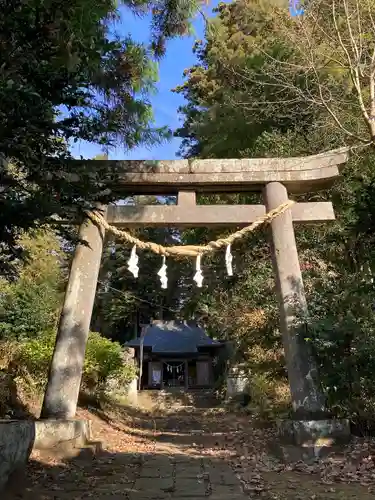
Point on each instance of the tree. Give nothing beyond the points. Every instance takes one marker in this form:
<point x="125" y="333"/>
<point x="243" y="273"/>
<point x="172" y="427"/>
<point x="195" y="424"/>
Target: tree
<point x="30" y="305"/>
<point x="220" y="101"/>
<point x="322" y="62"/>
<point x="65" y="77"/>
<point x="239" y="105"/>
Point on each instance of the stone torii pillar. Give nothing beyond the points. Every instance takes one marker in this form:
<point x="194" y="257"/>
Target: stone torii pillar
<point x="65" y="373"/>
<point x="307" y="397"/>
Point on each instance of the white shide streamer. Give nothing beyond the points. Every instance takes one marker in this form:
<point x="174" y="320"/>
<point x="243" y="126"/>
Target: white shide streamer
<point x="162" y="273"/>
<point x="228" y="261"/>
<point x="198" y="276"/>
<point x="133" y="262"/>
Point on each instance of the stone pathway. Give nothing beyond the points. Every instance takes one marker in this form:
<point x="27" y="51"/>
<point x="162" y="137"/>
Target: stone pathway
<point x="186" y="455"/>
<point x="170" y="463"/>
<point x="155" y="477"/>
<point x="179" y="477"/>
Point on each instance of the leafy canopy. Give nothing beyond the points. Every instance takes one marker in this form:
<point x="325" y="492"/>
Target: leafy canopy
<point x="67" y="75"/>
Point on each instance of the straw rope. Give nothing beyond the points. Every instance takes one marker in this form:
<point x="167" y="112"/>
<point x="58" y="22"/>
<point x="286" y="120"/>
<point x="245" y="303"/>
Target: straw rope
<point x="189" y="250"/>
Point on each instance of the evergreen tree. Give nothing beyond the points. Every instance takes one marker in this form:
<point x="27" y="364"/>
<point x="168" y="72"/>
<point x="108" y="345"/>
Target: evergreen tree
<point x="66" y="77"/>
<point x="250" y="96"/>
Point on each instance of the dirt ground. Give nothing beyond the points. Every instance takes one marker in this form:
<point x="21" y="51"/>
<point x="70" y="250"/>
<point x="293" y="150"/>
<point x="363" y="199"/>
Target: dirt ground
<point x="191" y="453"/>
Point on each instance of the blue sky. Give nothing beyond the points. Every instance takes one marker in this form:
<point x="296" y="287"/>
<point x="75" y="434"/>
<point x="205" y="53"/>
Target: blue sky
<point x="179" y="56"/>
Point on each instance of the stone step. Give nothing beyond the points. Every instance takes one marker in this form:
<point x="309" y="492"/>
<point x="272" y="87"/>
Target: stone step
<point x="179" y="397"/>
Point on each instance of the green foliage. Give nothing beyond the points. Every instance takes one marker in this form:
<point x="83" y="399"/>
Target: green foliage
<point x="33" y="357"/>
<point x="254" y="93"/>
<point x="68" y="75"/>
<point x="223" y="100"/>
<point x="104" y="359"/>
<point x="30" y="305"/>
<point x="343" y="335"/>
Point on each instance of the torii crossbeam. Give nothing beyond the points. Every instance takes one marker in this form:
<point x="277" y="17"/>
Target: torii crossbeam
<point x="276" y="178"/>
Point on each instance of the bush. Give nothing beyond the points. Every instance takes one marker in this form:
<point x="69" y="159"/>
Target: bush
<point x="104" y="360"/>
<point x="33" y="357"/>
<point x="269" y="396"/>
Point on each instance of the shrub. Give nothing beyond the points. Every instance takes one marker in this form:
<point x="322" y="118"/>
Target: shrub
<point x="269" y="396"/>
<point x="104" y="359"/>
<point x="34" y="355"/>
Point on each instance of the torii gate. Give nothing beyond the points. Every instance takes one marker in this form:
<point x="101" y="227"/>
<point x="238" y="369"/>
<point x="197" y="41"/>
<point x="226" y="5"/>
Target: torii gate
<point x="276" y="178"/>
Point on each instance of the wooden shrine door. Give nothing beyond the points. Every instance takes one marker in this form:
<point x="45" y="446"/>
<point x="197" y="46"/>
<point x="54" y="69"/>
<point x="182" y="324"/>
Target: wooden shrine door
<point x="203" y="373"/>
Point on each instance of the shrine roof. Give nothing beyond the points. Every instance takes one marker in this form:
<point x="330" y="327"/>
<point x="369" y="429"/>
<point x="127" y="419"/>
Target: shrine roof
<point x="174" y="337"/>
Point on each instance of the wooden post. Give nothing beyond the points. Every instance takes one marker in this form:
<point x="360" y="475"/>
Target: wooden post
<point x="186" y="374"/>
<point x="65" y="373"/>
<point x="141" y="343"/>
<point x="307" y="397"/>
<point x="162" y="373"/>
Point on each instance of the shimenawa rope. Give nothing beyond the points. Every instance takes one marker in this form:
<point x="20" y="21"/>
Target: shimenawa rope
<point x="189" y="250"/>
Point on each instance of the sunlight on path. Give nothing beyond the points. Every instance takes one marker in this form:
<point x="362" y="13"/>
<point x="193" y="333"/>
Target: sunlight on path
<point x="182" y="454"/>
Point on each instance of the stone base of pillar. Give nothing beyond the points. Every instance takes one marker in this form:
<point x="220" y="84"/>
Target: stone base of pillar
<point x="309" y="440"/>
<point x="309" y="432"/>
<point x="132" y="393"/>
<point x="18" y="438"/>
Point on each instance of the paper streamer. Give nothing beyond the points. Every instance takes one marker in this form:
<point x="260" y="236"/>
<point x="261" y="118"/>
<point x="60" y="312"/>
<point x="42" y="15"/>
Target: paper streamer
<point x="162" y="273"/>
<point x="198" y="276"/>
<point x="133" y="262"/>
<point x="228" y="261"/>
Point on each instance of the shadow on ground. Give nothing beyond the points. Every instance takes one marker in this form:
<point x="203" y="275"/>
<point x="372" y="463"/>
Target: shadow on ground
<point x="187" y="454"/>
<point x="127" y="476"/>
<point x="158" y="476"/>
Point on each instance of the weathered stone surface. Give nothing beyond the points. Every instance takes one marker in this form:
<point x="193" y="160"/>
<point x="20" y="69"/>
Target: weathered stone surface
<point x="307" y="398"/>
<point x="291" y="453"/>
<point x="309" y="440"/>
<point x="132" y="389"/>
<point x="237" y="383"/>
<point x="314" y="432"/>
<point x="141" y="495"/>
<point x="223" y="477"/>
<point x="192" y="470"/>
<point x="185" y="478"/>
<point x="297" y="181"/>
<point x="202" y="215"/>
<point x="189" y="488"/>
<point x="223" y="495"/>
<point x="155" y="488"/>
<point x="156" y="472"/>
<point x="169" y="176"/>
<point x="296" y="164"/>
<point x="52" y="433"/>
<point x="19" y="437"/>
<point x="64" y="380"/>
<point x="16" y="442"/>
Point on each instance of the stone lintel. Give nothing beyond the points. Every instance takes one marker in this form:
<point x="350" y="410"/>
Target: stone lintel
<point x="170" y="183"/>
<point x="219" y="166"/>
<point x="213" y="215"/>
<point x="301" y="174"/>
